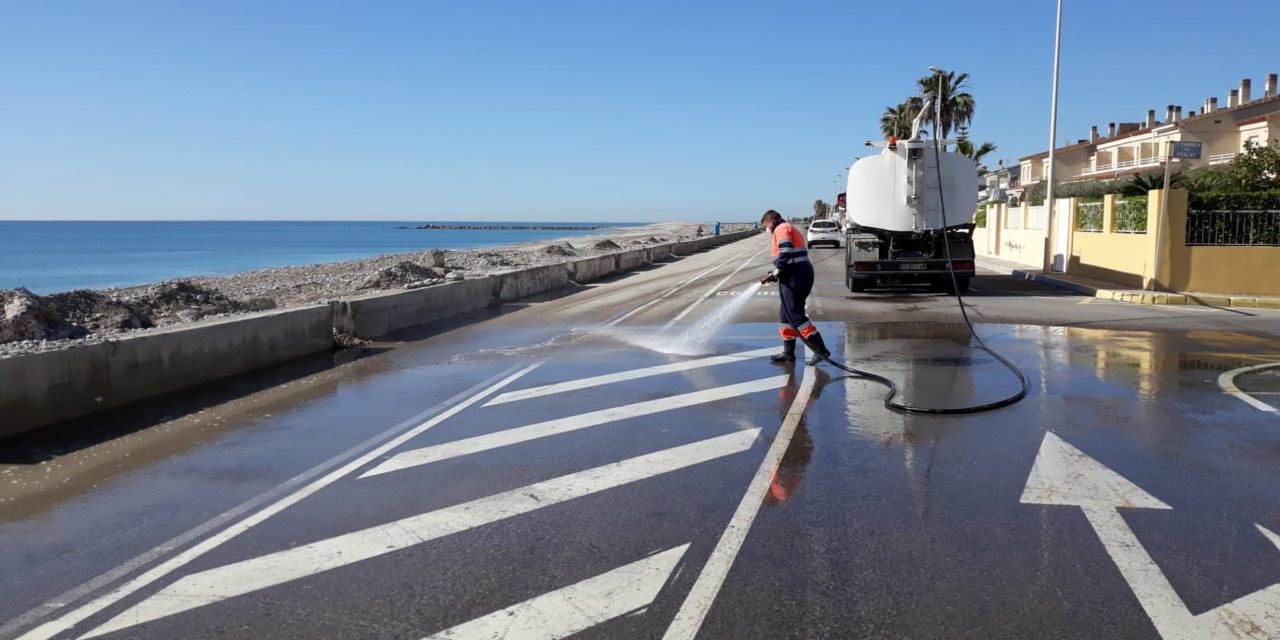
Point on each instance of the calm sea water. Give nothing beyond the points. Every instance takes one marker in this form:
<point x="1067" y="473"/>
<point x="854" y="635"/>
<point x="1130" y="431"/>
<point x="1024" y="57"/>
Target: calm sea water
<point x="48" y="257"/>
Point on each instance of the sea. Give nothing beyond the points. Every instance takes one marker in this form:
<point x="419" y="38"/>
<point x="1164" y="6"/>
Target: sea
<point x="49" y="257"/>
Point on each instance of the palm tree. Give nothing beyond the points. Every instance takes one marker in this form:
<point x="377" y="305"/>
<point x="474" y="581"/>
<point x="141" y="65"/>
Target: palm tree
<point x="957" y="102"/>
<point x="896" y="121"/>
<point x="965" y="148"/>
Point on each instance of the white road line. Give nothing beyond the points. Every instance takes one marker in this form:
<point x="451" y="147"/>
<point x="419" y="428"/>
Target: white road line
<point x="1227" y="382"/>
<point x="669" y="292"/>
<point x="710" y="292"/>
<point x="240" y="578"/>
<point x="696" y="605"/>
<point x="467" y="446"/>
<point x="577" y="607"/>
<point x="69" y="620"/>
<point x="623" y="376"/>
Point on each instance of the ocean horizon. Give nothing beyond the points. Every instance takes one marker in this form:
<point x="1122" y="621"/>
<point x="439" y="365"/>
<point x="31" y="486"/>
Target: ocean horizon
<point x="64" y="255"/>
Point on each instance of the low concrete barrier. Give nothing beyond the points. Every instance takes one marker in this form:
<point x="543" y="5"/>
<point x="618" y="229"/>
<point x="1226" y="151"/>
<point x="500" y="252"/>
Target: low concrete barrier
<point x="658" y="252"/>
<point x="378" y="314"/>
<point x="48" y="387"/>
<point x="514" y="285"/>
<point x="43" y="388"/>
<point x="633" y="259"/>
<point x="592" y="269"/>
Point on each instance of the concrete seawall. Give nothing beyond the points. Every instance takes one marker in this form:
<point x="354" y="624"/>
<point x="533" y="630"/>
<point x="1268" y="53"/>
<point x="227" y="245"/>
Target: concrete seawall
<point x="377" y="314"/>
<point x="514" y="285"/>
<point x="592" y="269"/>
<point x="48" y="387"/>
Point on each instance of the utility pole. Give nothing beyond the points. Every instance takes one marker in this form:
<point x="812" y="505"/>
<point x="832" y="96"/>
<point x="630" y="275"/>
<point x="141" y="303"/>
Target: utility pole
<point x="1055" y="227"/>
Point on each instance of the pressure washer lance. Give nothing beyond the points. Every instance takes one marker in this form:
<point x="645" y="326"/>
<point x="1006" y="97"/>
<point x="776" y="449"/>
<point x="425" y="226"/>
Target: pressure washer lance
<point x="893" y="387"/>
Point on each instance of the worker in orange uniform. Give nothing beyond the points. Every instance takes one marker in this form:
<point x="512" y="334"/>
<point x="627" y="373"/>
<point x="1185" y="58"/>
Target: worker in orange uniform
<point x="794" y="274"/>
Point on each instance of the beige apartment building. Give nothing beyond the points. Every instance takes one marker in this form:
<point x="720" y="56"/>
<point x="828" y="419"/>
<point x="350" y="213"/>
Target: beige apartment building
<point x="1129" y="148"/>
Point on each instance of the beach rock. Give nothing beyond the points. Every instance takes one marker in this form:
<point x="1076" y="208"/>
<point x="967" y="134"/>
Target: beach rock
<point x="398" y="275"/>
<point x="423" y="283"/>
<point x="454" y="276"/>
<point x="606" y="245"/>
<point x="184" y="301"/>
<point x="346" y="340"/>
<point x="433" y="258"/>
<point x="260" y="304"/>
<point x="562" y="249"/>
<point x="98" y="312"/>
<point x="441" y="271"/>
<point x="27" y="317"/>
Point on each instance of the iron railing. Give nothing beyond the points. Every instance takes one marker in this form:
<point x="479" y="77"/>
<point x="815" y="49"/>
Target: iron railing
<point x="1130" y="215"/>
<point x="1233" y="228"/>
<point x="1089" y="216"/>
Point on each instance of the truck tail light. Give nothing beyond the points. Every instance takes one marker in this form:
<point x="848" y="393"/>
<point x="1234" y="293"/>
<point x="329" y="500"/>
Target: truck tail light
<point x="865" y="266"/>
<point x="962" y="265"/>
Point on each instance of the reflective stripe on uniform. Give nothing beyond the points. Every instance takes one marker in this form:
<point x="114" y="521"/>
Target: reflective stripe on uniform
<point x="787" y="332"/>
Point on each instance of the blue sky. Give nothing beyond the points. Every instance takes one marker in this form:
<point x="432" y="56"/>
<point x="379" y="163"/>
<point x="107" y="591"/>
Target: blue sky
<point x="551" y="110"/>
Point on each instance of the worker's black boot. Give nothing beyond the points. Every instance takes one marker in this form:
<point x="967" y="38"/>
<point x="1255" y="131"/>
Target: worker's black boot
<point x="816" y="343"/>
<point x="788" y="352"/>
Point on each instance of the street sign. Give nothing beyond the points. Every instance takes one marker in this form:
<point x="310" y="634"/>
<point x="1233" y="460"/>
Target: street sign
<point x="1187" y="150"/>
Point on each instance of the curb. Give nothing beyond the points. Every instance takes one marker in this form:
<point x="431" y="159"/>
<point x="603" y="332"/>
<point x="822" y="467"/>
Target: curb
<point x="1138" y="296"/>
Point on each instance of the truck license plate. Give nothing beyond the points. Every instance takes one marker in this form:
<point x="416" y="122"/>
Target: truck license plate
<point x="914" y="266"/>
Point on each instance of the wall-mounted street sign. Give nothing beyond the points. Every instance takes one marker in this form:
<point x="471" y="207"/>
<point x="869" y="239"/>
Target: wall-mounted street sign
<point x="1187" y="150"/>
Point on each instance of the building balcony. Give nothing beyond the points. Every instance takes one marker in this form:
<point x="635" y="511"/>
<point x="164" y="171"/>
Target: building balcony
<point x="1222" y="158"/>
<point x="1122" y="165"/>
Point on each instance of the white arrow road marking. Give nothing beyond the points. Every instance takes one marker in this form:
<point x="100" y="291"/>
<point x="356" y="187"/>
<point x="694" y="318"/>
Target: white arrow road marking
<point x="576" y="607"/>
<point x="214" y="585"/>
<point x="710" y="292"/>
<point x="624" y="376"/>
<point x="1064" y="475"/>
<point x="381" y="444"/>
<point x="1227" y="382"/>
<point x="427" y="455"/>
<point x="698" y="603"/>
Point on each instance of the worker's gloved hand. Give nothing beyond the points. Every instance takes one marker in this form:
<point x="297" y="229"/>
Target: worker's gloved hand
<point x="769" y="277"/>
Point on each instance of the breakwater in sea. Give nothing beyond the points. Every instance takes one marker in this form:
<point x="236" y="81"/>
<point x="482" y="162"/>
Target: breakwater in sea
<point x="504" y="227"/>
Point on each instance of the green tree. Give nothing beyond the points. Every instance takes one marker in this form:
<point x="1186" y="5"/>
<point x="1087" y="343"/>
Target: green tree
<point x="966" y="148"/>
<point x="1257" y="168"/>
<point x="896" y="121"/>
<point x="1140" y="184"/>
<point x="957" y="102"/>
<point x="820" y="209"/>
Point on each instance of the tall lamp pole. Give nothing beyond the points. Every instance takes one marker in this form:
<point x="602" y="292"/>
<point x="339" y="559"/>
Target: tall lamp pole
<point x="1054" y="225"/>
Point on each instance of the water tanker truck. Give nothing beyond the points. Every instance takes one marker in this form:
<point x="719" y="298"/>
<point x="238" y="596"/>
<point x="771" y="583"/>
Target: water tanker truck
<point x="895" y="233"/>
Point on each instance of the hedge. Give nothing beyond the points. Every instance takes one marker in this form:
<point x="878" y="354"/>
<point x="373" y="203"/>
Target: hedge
<point x="1235" y="201"/>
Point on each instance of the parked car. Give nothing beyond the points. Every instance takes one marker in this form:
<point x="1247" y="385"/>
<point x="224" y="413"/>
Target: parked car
<point x="824" y="232"/>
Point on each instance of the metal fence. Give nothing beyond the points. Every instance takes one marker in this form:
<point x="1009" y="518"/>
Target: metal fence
<point x="1131" y="215"/>
<point x="1089" y="216"/>
<point x="1233" y="228"/>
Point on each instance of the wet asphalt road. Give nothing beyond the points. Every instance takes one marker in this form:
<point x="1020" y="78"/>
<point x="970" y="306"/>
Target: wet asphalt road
<point x="547" y="468"/>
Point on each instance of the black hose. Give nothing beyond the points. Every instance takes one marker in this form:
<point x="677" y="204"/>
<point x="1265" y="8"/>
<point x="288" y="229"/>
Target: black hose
<point x="893" y="387"/>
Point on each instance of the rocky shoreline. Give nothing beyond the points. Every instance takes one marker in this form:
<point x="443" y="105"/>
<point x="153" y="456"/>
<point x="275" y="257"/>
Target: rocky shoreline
<point x="31" y="323"/>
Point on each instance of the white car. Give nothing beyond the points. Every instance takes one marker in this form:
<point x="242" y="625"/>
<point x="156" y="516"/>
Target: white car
<point x="824" y="232"/>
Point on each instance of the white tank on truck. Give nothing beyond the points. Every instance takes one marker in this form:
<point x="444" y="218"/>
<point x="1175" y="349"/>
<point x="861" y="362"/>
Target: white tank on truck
<point x="895" y="231"/>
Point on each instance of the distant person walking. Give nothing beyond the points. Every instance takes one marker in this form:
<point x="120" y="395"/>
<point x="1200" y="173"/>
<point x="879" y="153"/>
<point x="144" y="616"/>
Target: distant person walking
<point x="794" y="274"/>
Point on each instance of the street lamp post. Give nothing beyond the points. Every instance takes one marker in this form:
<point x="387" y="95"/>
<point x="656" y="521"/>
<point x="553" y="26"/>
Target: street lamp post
<point x="1059" y="231"/>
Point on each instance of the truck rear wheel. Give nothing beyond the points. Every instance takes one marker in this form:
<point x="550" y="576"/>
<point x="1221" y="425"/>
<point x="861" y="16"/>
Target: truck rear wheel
<point x="856" y="285"/>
